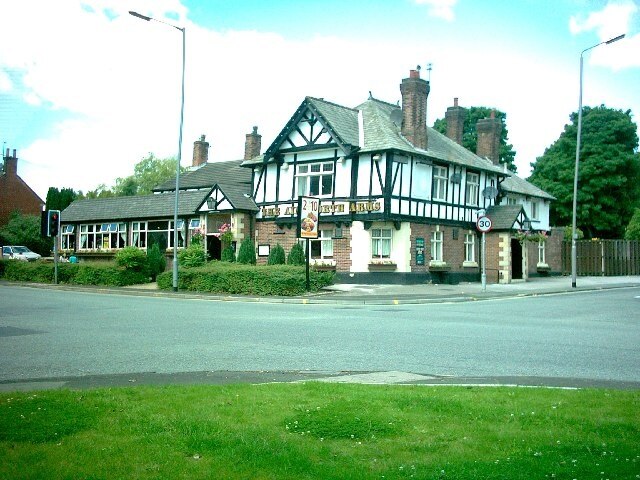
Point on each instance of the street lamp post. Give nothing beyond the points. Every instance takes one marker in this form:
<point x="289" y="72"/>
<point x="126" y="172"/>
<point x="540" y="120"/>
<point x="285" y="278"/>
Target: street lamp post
<point x="175" y="210"/>
<point x="574" y="256"/>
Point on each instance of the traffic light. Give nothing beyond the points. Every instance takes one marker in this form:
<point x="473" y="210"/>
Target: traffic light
<point x="53" y="223"/>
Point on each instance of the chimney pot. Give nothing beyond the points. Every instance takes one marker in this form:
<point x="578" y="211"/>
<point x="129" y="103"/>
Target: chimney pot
<point x="455" y="101"/>
<point x="414" y="74"/>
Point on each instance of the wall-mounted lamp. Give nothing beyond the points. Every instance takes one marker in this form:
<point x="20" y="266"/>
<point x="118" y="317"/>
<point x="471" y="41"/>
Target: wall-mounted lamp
<point x="285" y="166"/>
<point x="376" y="157"/>
<point x="340" y="160"/>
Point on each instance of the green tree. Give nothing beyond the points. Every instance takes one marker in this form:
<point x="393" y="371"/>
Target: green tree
<point x="276" y="256"/>
<point x="228" y="254"/>
<point x="632" y="231"/>
<point x="470" y="135"/>
<point x="157" y="261"/>
<point x="60" y="199"/>
<point x="296" y="255"/>
<point x="25" y="230"/>
<point x="247" y="252"/>
<point x="147" y="174"/>
<point x="609" y="173"/>
<point x="101" y="191"/>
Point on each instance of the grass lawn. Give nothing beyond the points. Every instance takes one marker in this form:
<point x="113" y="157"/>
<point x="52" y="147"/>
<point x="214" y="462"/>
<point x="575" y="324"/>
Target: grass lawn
<point x="318" y="431"/>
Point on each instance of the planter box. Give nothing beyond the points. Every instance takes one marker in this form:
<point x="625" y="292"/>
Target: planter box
<point x="382" y="267"/>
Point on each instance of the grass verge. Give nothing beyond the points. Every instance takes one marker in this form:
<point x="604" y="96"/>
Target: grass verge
<point x="318" y="431"/>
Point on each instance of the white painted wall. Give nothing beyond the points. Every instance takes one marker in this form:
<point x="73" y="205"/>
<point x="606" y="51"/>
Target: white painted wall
<point x="360" y="248"/>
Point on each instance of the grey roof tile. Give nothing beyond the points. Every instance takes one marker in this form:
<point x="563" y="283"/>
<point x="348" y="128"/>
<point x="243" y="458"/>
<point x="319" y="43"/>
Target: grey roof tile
<point x="159" y="205"/>
<point x="503" y="217"/>
<point x="208" y="175"/>
<point x="238" y="196"/>
<point x="515" y="184"/>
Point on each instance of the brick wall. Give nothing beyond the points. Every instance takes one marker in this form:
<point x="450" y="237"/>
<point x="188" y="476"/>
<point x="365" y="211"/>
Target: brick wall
<point x="453" y="248"/>
<point x="414" y="92"/>
<point x="15" y="194"/>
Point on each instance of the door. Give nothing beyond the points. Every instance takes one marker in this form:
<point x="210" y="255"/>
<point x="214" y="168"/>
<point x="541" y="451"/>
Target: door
<point x="516" y="259"/>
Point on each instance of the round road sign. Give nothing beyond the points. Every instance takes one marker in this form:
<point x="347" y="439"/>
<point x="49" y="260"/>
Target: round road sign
<point x="484" y="224"/>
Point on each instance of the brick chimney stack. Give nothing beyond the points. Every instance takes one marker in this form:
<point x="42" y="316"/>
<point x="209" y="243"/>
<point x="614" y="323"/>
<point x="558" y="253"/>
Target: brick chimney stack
<point x="200" y="152"/>
<point x="252" y="144"/>
<point x="11" y="164"/>
<point x="414" y="92"/>
<point x="455" y="117"/>
<point x="489" y="130"/>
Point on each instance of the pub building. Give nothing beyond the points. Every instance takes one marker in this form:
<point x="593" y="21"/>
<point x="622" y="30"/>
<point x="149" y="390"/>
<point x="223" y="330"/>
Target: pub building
<point x="398" y="201"/>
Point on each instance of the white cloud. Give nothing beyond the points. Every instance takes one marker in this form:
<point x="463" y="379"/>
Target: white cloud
<point x="440" y="8"/>
<point x="6" y="85"/>
<point x="613" y="20"/>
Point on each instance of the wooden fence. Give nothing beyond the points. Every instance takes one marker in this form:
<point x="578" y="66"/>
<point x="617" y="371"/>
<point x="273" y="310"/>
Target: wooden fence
<point x="603" y="257"/>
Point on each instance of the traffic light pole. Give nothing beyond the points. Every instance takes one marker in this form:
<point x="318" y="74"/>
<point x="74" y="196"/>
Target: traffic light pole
<point x="55" y="260"/>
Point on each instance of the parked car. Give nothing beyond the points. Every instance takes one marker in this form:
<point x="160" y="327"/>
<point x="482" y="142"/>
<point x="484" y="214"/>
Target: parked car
<point x="18" y="252"/>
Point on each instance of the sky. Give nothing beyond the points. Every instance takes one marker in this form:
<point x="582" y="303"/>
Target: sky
<point x="87" y="90"/>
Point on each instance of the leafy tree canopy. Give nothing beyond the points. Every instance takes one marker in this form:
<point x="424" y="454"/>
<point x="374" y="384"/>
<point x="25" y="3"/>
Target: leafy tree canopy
<point x="25" y="230"/>
<point x="609" y="172"/>
<point x="60" y="199"/>
<point x="470" y="135"/>
<point x="147" y="174"/>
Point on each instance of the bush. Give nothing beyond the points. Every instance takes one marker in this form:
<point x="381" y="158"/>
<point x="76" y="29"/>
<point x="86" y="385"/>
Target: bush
<point x="221" y="277"/>
<point x="276" y="256"/>
<point x="632" y="232"/>
<point x="228" y="254"/>
<point x="25" y="230"/>
<point x="247" y="252"/>
<point x="156" y="260"/>
<point x="88" y="273"/>
<point x="192" y="256"/>
<point x="132" y="258"/>
<point x="569" y="230"/>
<point x="296" y="255"/>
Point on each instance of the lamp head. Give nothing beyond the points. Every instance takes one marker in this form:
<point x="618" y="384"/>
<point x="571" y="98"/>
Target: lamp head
<point x="139" y="15"/>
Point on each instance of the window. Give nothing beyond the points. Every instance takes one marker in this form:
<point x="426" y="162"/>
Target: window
<point x="322" y="248"/>
<point x="470" y="247"/>
<point x="472" y="188"/>
<point x="139" y="234"/>
<point x="436" y="245"/>
<point x="380" y="243"/>
<point x="68" y="237"/>
<point x="104" y="236"/>
<point x="542" y="255"/>
<point x="439" y="183"/>
<point x="181" y="233"/>
<point x="534" y="210"/>
<point x="512" y="201"/>
<point x="315" y="179"/>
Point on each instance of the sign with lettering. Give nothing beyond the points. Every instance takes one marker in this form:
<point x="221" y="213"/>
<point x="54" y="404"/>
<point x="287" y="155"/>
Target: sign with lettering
<point x="328" y="207"/>
<point x="419" y="251"/>
<point x="484" y="224"/>
<point x="308" y="217"/>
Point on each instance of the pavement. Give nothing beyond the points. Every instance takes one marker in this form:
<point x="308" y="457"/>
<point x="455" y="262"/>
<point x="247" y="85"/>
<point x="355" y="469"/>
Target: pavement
<point x="391" y="294"/>
<point x="354" y="294"/>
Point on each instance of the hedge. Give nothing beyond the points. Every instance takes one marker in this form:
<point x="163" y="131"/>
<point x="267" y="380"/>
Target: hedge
<point x="230" y="278"/>
<point x="89" y="273"/>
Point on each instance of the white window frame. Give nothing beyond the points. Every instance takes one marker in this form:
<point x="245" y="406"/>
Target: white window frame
<point x="67" y="234"/>
<point x="139" y="234"/>
<point x="181" y="234"/>
<point x="310" y="174"/>
<point x="472" y="188"/>
<point x="535" y="210"/>
<point x="512" y="201"/>
<point x="437" y="246"/>
<point x="325" y="241"/>
<point x="470" y="250"/>
<point x="440" y="179"/>
<point x="381" y="243"/>
<point x="542" y="253"/>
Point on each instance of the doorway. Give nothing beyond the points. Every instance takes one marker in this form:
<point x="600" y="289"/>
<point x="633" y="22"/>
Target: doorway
<point x="214" y="247"/>
<point x="516" y="259"/>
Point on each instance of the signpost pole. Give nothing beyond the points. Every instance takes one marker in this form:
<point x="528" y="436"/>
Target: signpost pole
<point x="55" y="260"/>
<point x="484" y="262"/>
<point x="307" y="264"/>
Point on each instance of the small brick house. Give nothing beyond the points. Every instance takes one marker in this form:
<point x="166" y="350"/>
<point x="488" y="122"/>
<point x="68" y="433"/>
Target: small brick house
<point x="15" y="194"/>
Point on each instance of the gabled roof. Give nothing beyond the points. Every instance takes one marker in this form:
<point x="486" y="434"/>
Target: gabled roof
<point x="515" y="184"/>
<point x="230" y="197"/>
<point x="507" y="217"/>
<point x="341" y="124"/>
<point x="141" y="207"/>
<point x="380" y="133"/>
<point x="209" y="174"/>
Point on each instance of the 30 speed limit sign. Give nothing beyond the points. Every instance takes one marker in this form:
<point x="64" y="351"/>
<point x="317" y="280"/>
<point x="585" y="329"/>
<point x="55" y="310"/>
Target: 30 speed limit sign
<point x="484" y="224"/>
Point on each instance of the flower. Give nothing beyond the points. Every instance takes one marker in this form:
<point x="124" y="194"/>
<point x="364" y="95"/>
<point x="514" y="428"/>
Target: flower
<point x="226" y="235"/>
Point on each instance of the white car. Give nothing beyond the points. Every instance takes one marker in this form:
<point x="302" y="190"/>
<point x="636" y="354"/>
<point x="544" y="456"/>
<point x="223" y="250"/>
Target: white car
<point x="18" y="252"/>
